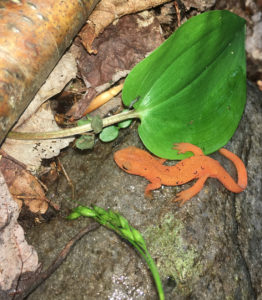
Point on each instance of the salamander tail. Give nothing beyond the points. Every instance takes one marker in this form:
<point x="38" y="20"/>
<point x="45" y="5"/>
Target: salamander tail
<point x="241" y="169"/>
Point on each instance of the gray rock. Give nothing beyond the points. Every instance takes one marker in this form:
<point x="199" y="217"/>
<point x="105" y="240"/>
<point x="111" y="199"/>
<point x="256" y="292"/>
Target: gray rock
<point x="208" y="249"/>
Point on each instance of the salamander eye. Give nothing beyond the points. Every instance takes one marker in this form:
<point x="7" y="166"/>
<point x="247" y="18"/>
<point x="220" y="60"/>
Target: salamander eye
<point x="126" y="166"/>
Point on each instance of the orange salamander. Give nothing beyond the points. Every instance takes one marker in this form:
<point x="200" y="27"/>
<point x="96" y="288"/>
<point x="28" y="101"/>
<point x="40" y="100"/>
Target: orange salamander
<point x="139" y="162"/>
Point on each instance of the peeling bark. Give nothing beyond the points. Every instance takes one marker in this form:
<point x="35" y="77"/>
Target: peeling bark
<point x="33" y="37"/>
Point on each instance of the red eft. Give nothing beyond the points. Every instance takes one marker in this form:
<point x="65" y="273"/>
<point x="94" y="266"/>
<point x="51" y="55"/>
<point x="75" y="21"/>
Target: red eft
<point x="199" y="166"/>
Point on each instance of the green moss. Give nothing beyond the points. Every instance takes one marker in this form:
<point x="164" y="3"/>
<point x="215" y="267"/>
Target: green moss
<point x="173" y="255"/>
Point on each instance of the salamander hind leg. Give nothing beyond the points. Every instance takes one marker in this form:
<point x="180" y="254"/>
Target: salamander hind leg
<point x="191" y="192"/>
<point x="187" y="147"/>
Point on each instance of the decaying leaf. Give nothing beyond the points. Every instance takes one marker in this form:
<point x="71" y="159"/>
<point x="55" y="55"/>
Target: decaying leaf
<point x="17" y="258"/>
<point x="64" y="71"/>
<point x="31" y="153"/>
<point x="106" y="12"/>
<point x="78" y="109"/>
<point x="40" y="119"/>
<point x="23" y="186"/>
<point x="120" y="47"/>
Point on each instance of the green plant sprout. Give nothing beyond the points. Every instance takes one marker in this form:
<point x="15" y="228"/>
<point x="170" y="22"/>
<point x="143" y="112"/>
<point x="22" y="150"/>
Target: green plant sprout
<point x="120" y="225"/>
<point x="110" y="133"/>
<point x="107" y="134"/>
<point x="190" y="89"/>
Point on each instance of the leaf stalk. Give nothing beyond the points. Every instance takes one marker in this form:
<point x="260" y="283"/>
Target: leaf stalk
<point x="132" y="114"/>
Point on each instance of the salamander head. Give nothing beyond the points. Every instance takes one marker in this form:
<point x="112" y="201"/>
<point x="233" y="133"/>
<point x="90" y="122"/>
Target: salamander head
<point x="130" y="159"/>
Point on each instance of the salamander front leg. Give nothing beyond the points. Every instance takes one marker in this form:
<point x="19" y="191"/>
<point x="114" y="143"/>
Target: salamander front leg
<point x="155" y="184"/>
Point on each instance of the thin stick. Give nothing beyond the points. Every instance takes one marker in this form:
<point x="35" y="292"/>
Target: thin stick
<point x="40" y="278"/>
<point x="70" y="182"/>
<point x="177" y="13"/>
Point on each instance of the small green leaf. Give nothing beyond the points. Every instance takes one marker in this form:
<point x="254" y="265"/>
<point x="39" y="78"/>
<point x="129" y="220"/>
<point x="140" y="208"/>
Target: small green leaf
<point x="124" y="124"/>
<point x="85" y="142"/>
<point x="109" y="134"/>
<point x="112" y="214"/>
<point x="127" y="234"/>
<point x="85" y="211"/>
<point x="123" y="221"/>
<point x="83" y="121"/>
<point x="74" y="215"/>
<point x="97" y="124"/>
<point x="99" y="210"/>
<point x="138" y="237"/>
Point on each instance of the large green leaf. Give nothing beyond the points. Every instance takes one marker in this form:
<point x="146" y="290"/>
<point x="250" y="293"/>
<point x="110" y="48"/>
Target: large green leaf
<point x="193" y="87"/>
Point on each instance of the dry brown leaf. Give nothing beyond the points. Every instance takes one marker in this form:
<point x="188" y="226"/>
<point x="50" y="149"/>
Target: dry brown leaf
<point x="31" y="153"/>
<point x="64" y="71"/>
<point x="37" y="119"/>
<point x="16" y="256"/>
<point x="106" y="12"/>
<point x="120" y="47"/>
<point x="23" y="186"/>
<point x="77" y="110"/>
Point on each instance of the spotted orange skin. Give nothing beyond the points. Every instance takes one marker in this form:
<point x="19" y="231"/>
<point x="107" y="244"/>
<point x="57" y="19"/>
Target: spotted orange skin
<point x="199" y="166"/>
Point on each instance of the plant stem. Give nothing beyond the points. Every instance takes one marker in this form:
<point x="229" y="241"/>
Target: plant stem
<point x="71" y="131"/>
<point x="151" y="264"/>
<point x="155" y="274"/>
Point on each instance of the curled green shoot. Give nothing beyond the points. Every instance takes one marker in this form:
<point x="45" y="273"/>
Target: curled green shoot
<point x="120" y="225"/>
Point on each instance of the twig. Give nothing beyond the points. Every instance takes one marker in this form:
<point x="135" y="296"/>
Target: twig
<point x="177" y="14"/>
<point x="40" y="278"/>
<point x="70" y="182"/>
